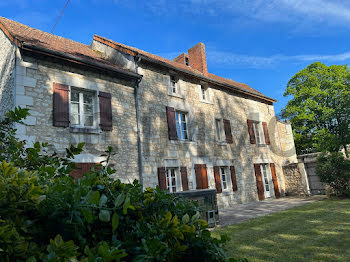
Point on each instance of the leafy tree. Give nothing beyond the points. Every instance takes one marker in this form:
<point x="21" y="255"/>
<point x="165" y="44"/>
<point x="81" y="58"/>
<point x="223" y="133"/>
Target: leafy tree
<point x="320" y="108"/>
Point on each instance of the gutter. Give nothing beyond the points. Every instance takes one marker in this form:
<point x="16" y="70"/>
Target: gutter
<point x="79" y="60"/>
<point x="139" y="145"/>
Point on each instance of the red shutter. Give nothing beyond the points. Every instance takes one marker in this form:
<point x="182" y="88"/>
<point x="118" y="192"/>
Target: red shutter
<point x="106" y="119"/>
<point x="204" y="176"/>
<point x="233" y="178"/>
<point x="266" y="133"/>
<point x="170" y="111"/>
<point x="274" y="180"/>
<point x="259" y="182"/>
<point x="251" y="131"/>
<point x="81" y="169"/>
<point x="183" y="171"/>
<point x="162" y="178"/>
<point x="60" y="105"/>
<point x="228" y="133"/>
<point x="217" y="179"/>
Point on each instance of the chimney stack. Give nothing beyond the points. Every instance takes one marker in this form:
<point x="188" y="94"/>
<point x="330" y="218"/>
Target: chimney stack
<point x="197" y="58"/>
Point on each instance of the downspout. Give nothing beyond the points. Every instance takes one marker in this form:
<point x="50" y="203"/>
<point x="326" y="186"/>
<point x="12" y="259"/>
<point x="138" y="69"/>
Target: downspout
<point x="139" y="145"/>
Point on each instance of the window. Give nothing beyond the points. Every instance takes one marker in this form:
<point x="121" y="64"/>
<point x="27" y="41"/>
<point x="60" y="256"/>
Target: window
<point x="171" y="179"/>
<point x="81" y="108"/>
<point x="181" y="125"/>
<point x="223" y="177"/>
<point x="204" y="92"/>
<point x="173" y="85"/>
<point x="187" y="61"/>
<point x="259" y="135"/>
<point x="218" y="125"/>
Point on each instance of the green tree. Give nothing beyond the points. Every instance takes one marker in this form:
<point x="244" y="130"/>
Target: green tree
<point x="319" y="109"/>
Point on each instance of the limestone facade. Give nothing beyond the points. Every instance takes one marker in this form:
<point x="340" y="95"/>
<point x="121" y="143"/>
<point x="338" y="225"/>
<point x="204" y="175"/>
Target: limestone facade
<point x="206" y="105"/>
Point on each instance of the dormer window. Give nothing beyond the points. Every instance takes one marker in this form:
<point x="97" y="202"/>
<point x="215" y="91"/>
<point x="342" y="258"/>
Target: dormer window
<point x="173" y="85"/>
<point x="187" y="61"/>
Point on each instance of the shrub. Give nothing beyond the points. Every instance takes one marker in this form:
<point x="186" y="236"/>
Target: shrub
<point x="334" y="170"/>
<point x="47" y="216"/>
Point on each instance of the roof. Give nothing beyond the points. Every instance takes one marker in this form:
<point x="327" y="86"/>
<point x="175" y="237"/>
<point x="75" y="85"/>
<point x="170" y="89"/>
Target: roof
<point x="167" y="62"/>
<point x="23" y="35"/>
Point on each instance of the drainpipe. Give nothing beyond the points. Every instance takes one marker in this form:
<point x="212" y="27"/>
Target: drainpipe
<point x="139" y="145"/>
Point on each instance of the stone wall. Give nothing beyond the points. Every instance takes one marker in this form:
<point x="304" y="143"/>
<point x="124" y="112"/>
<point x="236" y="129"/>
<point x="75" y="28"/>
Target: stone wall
<point x="36" y="93"/>
<point x="202" y="148"/>
<point x="7" y="76"/>
<point x="294" y="183"/>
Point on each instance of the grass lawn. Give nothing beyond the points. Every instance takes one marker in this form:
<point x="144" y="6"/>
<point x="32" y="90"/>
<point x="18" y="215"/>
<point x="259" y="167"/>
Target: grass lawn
<point x="319" y="231"/>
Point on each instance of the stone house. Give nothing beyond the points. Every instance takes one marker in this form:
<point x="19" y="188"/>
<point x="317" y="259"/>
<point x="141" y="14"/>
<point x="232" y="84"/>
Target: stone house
<point x="172" y="123"/>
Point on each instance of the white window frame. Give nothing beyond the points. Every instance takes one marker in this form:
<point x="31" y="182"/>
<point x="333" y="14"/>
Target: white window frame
<point x="174" y="85"/>
<point x="177" y="179"/>
<point x="266" y="170"/>
<point x="204" y="93"/>
<point x="181" y="125"/>
<point x="219" y="130"/>
<point x="222" y="175"/>
<point x="259" y="133"/>
<point x="81" y="107"/>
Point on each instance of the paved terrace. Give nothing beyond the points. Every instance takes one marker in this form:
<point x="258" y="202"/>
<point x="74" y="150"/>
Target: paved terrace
<point x="242" y="212"/>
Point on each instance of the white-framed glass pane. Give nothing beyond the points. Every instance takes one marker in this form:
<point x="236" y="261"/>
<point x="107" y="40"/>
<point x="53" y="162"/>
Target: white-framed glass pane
<point x="88" y="120"/>
<point x="74" y="119"/>
<point x="75" y="108"/>
<point x="88" y="97"/>
<point x="218" y="129"/>
<point x="88" y="109"/>
<point x="74" y="96"/>
<point x="203" y="93"/>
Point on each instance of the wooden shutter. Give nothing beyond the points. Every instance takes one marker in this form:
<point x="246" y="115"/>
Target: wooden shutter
<point x="184" y="180"/>
<point x="81" y="169"/>
<point x="106" y="118"/>
<point x="274" y="180"/>
<point x="259" y="182"/>
<point x="233" y="178"/>
<point x="228" y="133"/>
<point x="170" y="112"/>
<point x="162" y="178"/>
<point x="266" y="133"/>
<point x="201" y="176"/>
<point x="217" y="179"/>
<point x="60" y="105"/>
<point x="251" y="131"/>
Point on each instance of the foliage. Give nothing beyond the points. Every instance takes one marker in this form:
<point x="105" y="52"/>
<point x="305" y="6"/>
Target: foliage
<point x="47" y="216"/>
<point x="319" y="109"/>
<point x="334" y="170"/>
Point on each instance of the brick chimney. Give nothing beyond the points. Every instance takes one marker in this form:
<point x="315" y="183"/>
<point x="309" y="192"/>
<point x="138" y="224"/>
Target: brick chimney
<point x="181" y="58"/>
<point x="197" y="58"/>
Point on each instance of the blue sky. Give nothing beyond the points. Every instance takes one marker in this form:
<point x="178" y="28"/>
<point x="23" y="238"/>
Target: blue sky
<point x="262" y="43"/>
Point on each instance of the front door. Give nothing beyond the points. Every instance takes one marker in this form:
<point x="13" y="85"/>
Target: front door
<point x="265" y="172"/>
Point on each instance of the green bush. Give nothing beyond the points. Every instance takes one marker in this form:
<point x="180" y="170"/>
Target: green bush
<point x="334" y="170"/>
<point x="47" y="216"/>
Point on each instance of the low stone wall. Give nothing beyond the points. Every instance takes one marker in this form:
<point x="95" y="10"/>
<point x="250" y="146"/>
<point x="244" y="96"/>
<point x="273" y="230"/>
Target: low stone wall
<point x="294" y="185"/>
<point x="207" y="201"/>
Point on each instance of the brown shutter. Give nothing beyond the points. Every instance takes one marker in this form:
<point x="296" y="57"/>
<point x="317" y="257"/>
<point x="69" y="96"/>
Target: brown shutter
<point x="266" y="133"/>
<point x="170" y="112"/>
<point x="162" y="178"/>
<point x="217" y="179"/>
<point x="274" y="180"/>
<point x="184" y="180"/>
<point x="199" y="180"/>
<point x="259" y="182"/>
<point x="228" y="133"/>
<point x="201" y="176"/>
<point x="233" y="178"/>
<point x="106" y="119"/>
<point x="81" y="169"/>
<point x="60" y="105"/>
<point x="251" y="131"/>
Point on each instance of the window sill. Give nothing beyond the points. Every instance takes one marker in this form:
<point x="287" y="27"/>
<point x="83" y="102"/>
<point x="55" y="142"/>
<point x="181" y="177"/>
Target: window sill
<point x="84" y="130"/>
<point x="262" y="145"/>
<point x="206" y="102"/>
<point x="221" y="143"/>
<point x="177" y="95"/>
<point x="182" y="141"/>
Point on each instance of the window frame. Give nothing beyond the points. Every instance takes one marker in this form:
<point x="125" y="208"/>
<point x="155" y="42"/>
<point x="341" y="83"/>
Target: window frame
<point x="177" y="178"/>
<point x="181" y="133"/>
<point x="174" y="85"/>
<point x="187" y="61"/>
<point x="219" y="130"/>
<point x="81" y="112"/>
<point x="204" y="93"/>
<point x="259" y="133"/>
<point x="222" y="175"/>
